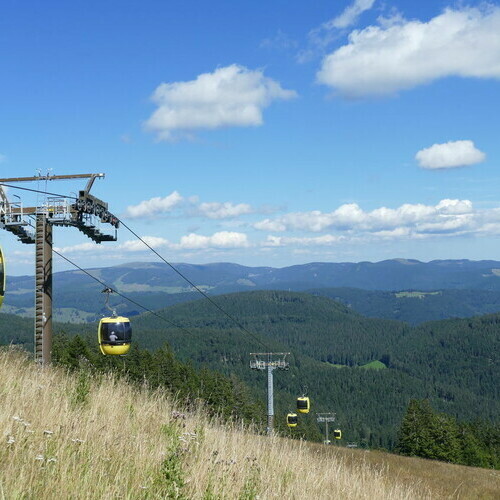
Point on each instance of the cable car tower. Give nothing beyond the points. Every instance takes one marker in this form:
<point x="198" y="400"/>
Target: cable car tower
<point x="33" y="225"/>
<point x="326" y="418"/>
<point x="270" y="361"/>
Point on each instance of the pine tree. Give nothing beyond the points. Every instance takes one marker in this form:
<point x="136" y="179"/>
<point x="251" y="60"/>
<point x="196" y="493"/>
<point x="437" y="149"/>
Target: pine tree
<point x="414" y="434"/>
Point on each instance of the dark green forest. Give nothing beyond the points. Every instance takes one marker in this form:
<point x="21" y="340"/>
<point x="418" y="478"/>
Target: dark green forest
<point x="428" y="434"/>
<point x="452" y="363"/>
<point x="224" y="397"/>
<point x="415" y="306"/>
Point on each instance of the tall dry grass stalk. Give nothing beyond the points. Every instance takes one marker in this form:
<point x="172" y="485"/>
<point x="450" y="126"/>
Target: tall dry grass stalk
<point x="87" y="436"/>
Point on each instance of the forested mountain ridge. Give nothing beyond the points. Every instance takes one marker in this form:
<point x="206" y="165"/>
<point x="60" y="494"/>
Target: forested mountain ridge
<point x="415" y="306"/>
<point x="394" y="274"/>
<point x="454" y="363"/>
<point x="437" y="290"/>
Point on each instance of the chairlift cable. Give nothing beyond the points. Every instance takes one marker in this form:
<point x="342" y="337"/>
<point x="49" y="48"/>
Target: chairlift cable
<point x="206" y="296"/>
<point x="231" y="317"/>
<point x="121" y="294"/>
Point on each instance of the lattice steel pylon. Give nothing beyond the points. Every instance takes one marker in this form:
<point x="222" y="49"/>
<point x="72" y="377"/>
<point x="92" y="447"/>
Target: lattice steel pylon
<point x="33" y="225"/>
<point x="326" y="418"/>
<point x="270" y="361"/>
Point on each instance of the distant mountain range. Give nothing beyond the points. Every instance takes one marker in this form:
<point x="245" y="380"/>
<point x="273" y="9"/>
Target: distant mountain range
<point x="155" y="285"/>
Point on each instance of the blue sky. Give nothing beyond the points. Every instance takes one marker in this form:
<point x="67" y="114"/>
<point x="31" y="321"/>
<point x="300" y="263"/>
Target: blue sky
<point x="262" y="133"/>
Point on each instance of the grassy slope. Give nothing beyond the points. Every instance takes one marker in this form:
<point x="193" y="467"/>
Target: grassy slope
<point x="88" y="437"/>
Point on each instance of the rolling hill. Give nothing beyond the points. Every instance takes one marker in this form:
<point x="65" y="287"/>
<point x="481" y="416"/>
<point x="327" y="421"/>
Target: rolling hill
<point x="464" y="288"/>
<point x="454" y="363"/>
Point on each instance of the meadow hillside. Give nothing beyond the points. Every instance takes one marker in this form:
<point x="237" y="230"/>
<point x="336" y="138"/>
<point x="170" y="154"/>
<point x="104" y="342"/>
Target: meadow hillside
<point x="364" y="369"/>
<point x="89" y="436"/>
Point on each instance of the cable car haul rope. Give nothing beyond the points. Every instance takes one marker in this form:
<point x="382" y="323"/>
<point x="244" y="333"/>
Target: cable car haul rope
<point x="201" y="292"/>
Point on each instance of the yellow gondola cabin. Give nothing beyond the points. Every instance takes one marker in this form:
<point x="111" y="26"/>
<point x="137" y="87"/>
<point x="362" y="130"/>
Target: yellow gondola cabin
<point x="114" y="335"/>
<point x="303" y="404"/>
<point x="337" y="434"/>
<point x="2" y="277"/>
<point x="292" y="420"/>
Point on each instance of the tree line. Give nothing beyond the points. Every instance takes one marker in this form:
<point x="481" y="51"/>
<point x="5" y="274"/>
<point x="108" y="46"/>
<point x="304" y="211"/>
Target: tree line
<point x="427" y="433"/>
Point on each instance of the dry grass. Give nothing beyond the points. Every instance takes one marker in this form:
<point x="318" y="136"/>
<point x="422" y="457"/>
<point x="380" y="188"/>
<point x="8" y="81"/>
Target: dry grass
<point x="93" y="437"/>
<point x="444" y="480"/>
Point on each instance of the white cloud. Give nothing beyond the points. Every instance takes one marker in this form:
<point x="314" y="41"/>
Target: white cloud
<point x="217" y="210"/>
<point x="384" y="59"/>
<point x="351" y="14"/>
<point x="222" y="239"/>
<point x="88" y="248"/>
<point x="453" y="225"/>
<point x="81" y="247"/>
<point x="230" y="96"/>
<point x="408" y="219"/>
<point x="138" y="246"/>
<point x="219" y="240"/>
<point x="319" y="38"/>
<point x="447" y="218"/>
<point x="454" y="207"/>
<point x="451" y="154"/>
<point x="270" y="225"/>
<point x="154" y="206"/>
<point x="325" y="240"/>
<point x="191" y="207"/>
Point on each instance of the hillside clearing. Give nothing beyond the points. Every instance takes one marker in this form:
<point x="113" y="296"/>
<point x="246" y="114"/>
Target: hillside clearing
<point x="85" y="436"/>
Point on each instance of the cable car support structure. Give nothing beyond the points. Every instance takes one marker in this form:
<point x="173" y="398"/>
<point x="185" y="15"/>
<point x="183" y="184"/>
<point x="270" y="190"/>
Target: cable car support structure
<point x="269" y="361"/>
<point x="33" y="225"/>
<point x="325" y="418"/>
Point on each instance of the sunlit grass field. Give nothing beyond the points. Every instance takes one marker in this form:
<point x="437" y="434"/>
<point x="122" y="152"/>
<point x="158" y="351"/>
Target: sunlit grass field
<point x="88" y="436"/>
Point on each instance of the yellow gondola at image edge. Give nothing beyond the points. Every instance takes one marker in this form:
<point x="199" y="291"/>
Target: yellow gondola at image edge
<point x="114" y="335"/>
<point x="2" y="276"/>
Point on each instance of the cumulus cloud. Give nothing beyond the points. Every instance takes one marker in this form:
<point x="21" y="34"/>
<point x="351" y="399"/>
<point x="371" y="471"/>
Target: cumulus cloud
<point x="451" y="154"/>
<point x="222" y="239"/>
<point x="408" y="219"/>
<point x="138" y="246"/>
<point x="349" y="224"/>
<point x="232" y="96"/>
<point x="325" y="240"/>
<point x="217" y="210"/>
<point x="402" y="54"/>
<point x="192" y="241"/>
<point x="154" y="206"/>
<point x="270" y="225"/>
<point x="191" y="207"/>
<point x="79" y="248"/>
